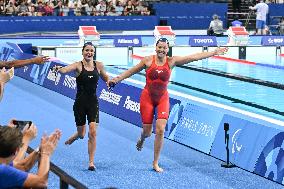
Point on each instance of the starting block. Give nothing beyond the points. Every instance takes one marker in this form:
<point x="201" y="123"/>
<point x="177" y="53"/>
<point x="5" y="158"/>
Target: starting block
<point x="165" y="32"/>
<point x="238" y="36"/>
<point x="88" y="34"/>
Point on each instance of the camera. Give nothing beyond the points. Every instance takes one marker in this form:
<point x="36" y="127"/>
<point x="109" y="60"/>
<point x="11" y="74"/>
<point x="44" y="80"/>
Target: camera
<point x="21" y="124"/>
<point x="226" y="126"/>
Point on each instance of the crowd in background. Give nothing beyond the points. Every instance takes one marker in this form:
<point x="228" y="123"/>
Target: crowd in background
<point x="73" y="8"/>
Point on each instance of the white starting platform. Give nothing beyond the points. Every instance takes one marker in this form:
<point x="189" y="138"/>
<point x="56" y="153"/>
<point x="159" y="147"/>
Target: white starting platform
<point x="238" y="36"/>
<point x="165" y="32"/>
<point x="88" y="34"/>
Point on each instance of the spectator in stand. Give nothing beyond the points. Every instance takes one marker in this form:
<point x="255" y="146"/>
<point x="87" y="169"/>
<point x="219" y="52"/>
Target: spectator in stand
<point x="129" y="9"/>
<point x="89" y="8"/>
<point x="110" y="8"/>
<point x="23" y="9"/>
<point x="65" y="9"/>
<point x="139" y="8"/>
<point x="83" y="9"/>
<point x="57" y="9"/>
<point x="280" y="27"/>
<point x="2" y="8"/>
<point x="40" y="9"/>
<point x="77" y="10"/>
<point x="101" y="8"/>
<point x="112" y="12"/>
<point x="33" y="11"/>
<point x="48" y="9"/>
<point x="11" y="9"/>
<point x="13" y="168"/>
<point x="146" y="11"/>
<point x="261" y="11"/>
<point x="119" y="8"/>
<point x="216" y="26"/>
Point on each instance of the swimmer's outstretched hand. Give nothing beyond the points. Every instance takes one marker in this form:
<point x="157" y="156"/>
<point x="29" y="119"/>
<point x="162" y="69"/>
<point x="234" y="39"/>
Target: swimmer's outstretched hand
<point x="40" y="59"/>
<point x="56" y="68"/>
<point x="221" y="51"/>
<point x="111" y="84"/>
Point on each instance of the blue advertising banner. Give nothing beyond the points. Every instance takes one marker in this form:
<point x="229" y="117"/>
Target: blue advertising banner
<point x="272" y="41"/>
<point x="197" y="41"/>
<point x="122" y="102"/>
<point x="270" y="162"/>
<point x="127" y="41"/>
<point x="194" y="125"/>
<point x="64" y="84"/>
<point x="254" y="147"/>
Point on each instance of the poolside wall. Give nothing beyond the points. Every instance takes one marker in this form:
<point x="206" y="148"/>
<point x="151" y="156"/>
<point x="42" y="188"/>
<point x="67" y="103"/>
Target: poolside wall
<point x="255" y="144"/>
<point x="177" y="15"/>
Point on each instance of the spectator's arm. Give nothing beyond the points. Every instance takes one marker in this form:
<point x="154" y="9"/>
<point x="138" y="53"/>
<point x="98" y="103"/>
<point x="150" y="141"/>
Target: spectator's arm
<point x="48" y="145"/>
<point x="29" y="133"/>
<point x="27" y="163"/>
<point x="21" y="63"/>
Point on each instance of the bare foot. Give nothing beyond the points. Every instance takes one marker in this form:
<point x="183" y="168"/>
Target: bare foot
<point x="139" y="144"/>
<point x="70" y="140"/>
<point x="92" y="166"/>
<point x="157" y="168"/>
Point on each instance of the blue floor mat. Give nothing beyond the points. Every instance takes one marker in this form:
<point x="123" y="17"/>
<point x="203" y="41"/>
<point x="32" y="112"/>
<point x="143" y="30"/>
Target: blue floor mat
<point x="118" y="162"/>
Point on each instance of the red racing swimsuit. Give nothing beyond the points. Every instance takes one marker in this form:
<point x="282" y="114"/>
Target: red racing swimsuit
<point x="155" y="94"/>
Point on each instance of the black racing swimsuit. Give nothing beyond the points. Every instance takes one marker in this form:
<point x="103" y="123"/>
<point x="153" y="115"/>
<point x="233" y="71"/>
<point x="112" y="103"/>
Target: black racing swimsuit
<point x="86" y="102"/>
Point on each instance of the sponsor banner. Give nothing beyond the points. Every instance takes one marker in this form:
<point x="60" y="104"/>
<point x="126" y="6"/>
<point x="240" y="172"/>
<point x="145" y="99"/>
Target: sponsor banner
<point x="254" y="147"/>
<point x="194" y="125"/>
<point x="122" y="102"/>
<point x="127" y="41"/>
<point x="64" y="84"/>
<point x="270" y="161"/>
<point x="272" y="41"/>
<point x="197" y="41"/>
<point x="34" y="73"/>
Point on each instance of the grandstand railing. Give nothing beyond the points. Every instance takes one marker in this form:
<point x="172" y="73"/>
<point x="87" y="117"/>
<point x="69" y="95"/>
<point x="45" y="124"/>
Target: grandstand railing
<point x="65" y="179"/>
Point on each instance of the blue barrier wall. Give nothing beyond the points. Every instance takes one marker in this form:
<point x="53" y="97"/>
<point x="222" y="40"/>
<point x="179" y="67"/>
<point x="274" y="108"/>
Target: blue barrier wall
<point x="72" y="23"/>
<point x="190" y="15"/>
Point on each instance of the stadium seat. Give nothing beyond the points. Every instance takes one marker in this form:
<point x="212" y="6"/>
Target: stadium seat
<point x="238" y="36"/>
<point x="166" y="32"/>
<point x="88" y="34"/>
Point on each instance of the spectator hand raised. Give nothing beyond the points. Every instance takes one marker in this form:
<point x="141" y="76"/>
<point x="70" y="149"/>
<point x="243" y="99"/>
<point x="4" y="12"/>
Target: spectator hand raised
<point x="5" y="76"/>
<point x="30" y="132"/>
<point x="49" y="143"/>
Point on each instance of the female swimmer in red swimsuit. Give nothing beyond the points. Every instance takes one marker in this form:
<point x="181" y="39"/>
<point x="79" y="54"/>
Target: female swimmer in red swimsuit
<point x="155" y="95"/>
